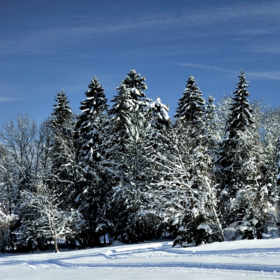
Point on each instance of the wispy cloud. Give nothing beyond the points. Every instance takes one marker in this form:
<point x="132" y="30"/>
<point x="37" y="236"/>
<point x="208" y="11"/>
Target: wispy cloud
<point x="8" y="99"/>
<point x="272" y="75"/>
<point x="265" y="47"/>
<point x="267" y="15"/>
<point x="206" y="67"/>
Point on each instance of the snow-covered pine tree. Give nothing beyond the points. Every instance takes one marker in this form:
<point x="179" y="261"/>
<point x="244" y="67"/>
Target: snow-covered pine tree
<point x="155" y="143"/>
<point x="243" y="199"/>
<point x="191" y="105"/>
<point x="127" y="111"/>
<point x="128" y="129"/>
<point x="62" y="114"/>
<point x="62" y="151"/>
<point x="198" y="221"/>
<point x="231" y="174"/>
<point x="190" y="110"/>
<point x="92" y="189"/>
<point x="259" y="197"/>
<point x="232" y="177"/>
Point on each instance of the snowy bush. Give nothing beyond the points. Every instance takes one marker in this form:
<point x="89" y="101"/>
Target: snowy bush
<point x="6" y="222"/>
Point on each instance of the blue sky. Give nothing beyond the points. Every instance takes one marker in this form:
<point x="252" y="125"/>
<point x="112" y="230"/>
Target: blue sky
<point x="46" y="45"/>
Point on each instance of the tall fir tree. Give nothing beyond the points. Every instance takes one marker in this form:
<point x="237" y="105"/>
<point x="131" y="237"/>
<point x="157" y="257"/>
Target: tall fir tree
<point x="128" y="129"/>
<point x="243" y="197"/>
<point x="127" y="111"/>
<point x="62" y="150"/>
<point x="92" y="187"/>
<point x="191" y="105"/>
<point x="232" y="175"/>
<point x="154" y="150"/>
<point x="198" y="221"/>
<point x="93" y="109"/>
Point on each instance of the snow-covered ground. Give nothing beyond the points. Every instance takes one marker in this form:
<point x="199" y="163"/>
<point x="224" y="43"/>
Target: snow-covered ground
<point x="244" y="259"/>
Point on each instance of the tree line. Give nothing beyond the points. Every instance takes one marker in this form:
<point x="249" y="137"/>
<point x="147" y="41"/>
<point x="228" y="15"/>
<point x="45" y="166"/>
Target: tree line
<point x="129" y="173"/>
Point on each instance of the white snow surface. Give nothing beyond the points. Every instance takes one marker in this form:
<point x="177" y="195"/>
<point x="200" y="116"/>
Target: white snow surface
<point x="243" y="259"/>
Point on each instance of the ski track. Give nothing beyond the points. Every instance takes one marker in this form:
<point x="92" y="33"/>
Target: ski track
<point x="159" y="256"/>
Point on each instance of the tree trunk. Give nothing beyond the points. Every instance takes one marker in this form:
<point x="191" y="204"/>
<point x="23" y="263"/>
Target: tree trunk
<point x="55" y="245"/>
<point x="218" y="224"/>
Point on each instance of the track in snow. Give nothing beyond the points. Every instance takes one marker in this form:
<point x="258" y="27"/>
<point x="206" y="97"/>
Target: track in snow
<point x="245" y="259"/>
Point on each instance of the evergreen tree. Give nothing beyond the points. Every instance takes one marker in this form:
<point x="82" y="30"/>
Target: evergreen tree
<point x="191" y="105"/>
<point x="128" y="130"/>
<point x="198" y="221"/>
<point x="92" y="188"/>
<point x="190" y="112"/>
<point x="93" y="108"/>
<point x="62" y="175"/>
<point x="156" y="143"/>
<point x="127" y="111"/>
<point x="62" y="114"/>
<point x="243" y="199"/>
<point x="233" y="151"/>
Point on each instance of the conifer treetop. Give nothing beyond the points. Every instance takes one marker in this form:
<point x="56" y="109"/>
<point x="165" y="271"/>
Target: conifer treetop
<point x="191" y="105"/>
<point x="130" y="95"/>
<point x="136" y="83"/>
<point x="62" y="111"/>
<point x="96" y="101"/>
<point x="240" y="116"/>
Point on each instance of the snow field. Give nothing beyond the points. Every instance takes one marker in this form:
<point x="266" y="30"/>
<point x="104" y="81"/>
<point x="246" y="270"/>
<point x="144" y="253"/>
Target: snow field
<point x="244" y="259"/>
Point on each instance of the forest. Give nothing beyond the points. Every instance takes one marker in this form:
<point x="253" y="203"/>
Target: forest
<point x="128" y="172"/>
